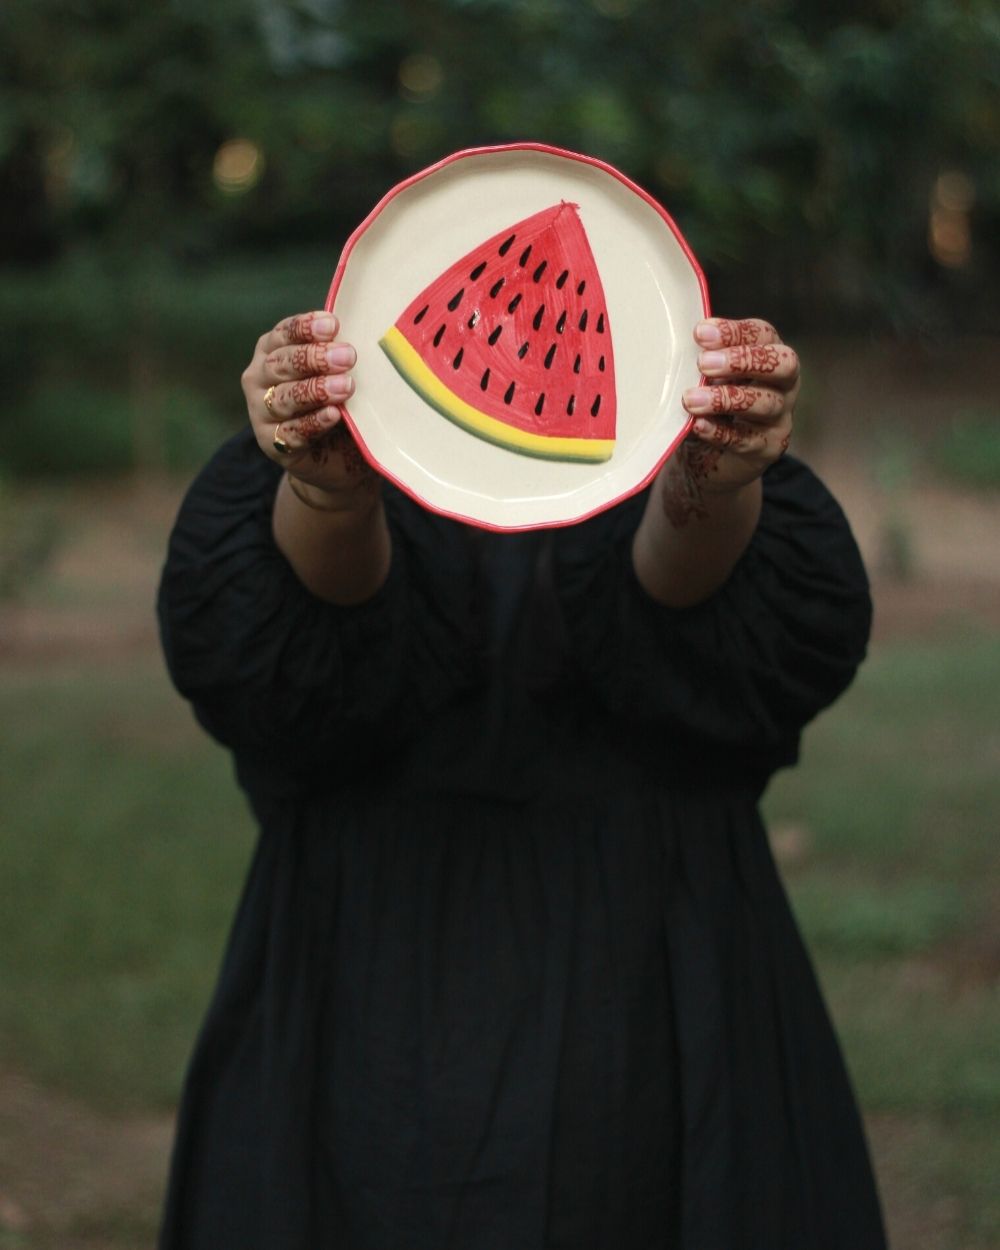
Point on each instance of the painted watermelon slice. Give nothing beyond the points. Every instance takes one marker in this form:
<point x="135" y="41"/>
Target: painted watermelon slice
<point x="513" y="341"/>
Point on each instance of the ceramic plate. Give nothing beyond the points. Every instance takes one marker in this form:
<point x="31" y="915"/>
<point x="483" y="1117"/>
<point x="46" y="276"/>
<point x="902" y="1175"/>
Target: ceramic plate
<point x="463" y="438"/>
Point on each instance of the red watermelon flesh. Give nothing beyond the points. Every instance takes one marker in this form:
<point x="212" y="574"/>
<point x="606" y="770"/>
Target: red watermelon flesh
<point x="513" y="341"/>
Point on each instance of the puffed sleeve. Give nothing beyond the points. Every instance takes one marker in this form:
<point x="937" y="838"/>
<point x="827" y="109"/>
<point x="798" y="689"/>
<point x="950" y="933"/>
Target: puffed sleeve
<point x="286" y="679"/>
<point x="749" y="666"/>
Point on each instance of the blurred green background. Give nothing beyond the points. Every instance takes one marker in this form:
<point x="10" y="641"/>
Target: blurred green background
<point x="175" y="177"/>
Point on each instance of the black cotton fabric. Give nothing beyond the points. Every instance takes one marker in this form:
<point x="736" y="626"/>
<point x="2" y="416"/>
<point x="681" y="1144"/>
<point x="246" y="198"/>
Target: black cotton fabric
<point x="513" y="968"/>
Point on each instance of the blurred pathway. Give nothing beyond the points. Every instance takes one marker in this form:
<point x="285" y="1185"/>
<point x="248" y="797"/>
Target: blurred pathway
<point x="73" y="1179"/>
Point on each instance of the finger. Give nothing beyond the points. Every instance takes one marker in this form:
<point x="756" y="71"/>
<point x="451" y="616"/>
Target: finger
<point x="292" y="399"/>
<point x="301" y="433"/>
<point x="721" y="332"/>
<point x="311" y="327"/>
<point x="742" y="437"/>
<point x="303" y="359"/>
<point x="775" y="363"/>
<point x="759" y="403"/>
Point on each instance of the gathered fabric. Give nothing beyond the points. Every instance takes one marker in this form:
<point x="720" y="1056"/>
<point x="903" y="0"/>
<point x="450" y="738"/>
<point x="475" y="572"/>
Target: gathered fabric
<point x="513" y="966"/>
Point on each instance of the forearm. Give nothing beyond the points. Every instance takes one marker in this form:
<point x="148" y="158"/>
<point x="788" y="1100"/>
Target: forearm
<point x="340" y="548"/>
<point x="691" y="534"/>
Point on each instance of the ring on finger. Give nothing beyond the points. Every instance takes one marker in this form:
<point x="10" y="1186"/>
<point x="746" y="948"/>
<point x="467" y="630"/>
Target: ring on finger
<point x="269" y="400"/>
<point x="280" y="445"/>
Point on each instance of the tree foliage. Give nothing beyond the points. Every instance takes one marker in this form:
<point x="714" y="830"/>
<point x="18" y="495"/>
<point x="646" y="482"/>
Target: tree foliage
<point x="798" y="143"/>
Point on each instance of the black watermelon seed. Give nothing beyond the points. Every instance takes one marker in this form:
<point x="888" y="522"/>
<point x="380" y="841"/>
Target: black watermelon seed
<point x="583" y="320"/>
<point x="582" y="287"/>
<point x="549" y="355"/>
<point x="437" y="337"/>
<point x="600" y="364"/>
<point x="494" y="335"/>
<point x="571" y="405"/>
<point x="477" y="272"/>
<point x="495" y="288"/>
<point x="508" y="394"/>
<point x="506" y="245"/>
<point x="540" y="405"/>
<point x="458" y="358"/>
<point x="561" y="280"/>
<point x="522" y="351"/>
<point x="600" y="324"/>
<point x="455" y="300"/>
<point x="514" y="302"/>
<point x="420" y="315"/>
<point x="536" y="321"/>
<point x="561" y="323"/>
<point x="523" y="258"/>
<point x="484" y="381"/>
<point x="595" y="407"/>
<point x="576" y="365"/>
<point x="474" y="319"/>
<point x="537" y="275"/>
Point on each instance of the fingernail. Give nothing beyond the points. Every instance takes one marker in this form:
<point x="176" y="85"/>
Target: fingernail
<point x="340" y="356"/>
<point x="324" y="326"/>
<point x="712" y="362"/>
<point x="342" y="384"/>
<point x="698" y="399"/>
<point x="707" y="334"/>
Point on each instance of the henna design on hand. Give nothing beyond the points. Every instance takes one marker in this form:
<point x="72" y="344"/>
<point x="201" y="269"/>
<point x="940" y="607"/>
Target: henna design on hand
<point x="354" y="462"/>
<point x="311" y="390"/>
<point x="331" y="441"/>
<point x="309" y="358"/>
<point x="729" y="398"/>
<point x="683" y="495"/>
<point x="299" y="329"/>
<point x="732" y="434"/>
<point x="755" y="359"/>
<point x="339" y="440"/>
<point x="310" y="427"/>
<point x="746" y="332"/>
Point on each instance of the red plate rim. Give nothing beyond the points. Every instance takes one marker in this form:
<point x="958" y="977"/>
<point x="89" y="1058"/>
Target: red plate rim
<point x="491" y="150"/>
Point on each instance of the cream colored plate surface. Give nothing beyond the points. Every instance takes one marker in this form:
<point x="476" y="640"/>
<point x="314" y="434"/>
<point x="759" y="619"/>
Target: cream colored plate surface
<point x="655" y="293"/>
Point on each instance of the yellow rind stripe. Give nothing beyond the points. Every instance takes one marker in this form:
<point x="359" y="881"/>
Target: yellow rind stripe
<point x="412" y="368"/>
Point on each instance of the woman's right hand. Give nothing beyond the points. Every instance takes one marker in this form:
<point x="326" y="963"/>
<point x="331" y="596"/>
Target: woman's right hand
<point x="294" y="386"/>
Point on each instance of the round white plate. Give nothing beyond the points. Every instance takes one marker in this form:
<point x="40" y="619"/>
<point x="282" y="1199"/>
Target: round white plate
<point x="655" y="293"/>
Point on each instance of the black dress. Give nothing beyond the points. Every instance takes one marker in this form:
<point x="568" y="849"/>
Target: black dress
<point x="513" y="968"/>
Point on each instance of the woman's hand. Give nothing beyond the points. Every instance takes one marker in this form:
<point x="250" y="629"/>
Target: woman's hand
<point x="294" y="387"/>
<point x="706" y="500"/>
<point x="328" y="519"/>
<point x="742" y="416"/>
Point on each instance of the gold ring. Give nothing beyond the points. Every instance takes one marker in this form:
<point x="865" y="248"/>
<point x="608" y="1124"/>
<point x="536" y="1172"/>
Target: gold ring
<point x="279" y="443"/>
<point x="269" y="400"/>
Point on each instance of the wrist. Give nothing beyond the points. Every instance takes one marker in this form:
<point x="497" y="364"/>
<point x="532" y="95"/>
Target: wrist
<point x="698" y="465"/>
<point x="349" y="500"/>
<point x="729" y="490"/>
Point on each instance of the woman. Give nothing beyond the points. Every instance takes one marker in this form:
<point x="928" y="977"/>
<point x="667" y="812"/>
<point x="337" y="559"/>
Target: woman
<point x="513" y="968"/>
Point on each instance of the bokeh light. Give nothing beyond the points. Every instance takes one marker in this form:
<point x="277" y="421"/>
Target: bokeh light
<point x="238" y="166"/>
<point x="420" y="77"/>
<point x="60" y="156"/>
<point x="955" y="191"/>
<point x="949" y="234"/>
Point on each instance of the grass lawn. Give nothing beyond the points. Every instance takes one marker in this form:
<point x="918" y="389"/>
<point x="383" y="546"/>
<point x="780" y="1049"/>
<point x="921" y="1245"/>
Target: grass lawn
<point x="124" y="843"/>
<point x="892" y="861"/>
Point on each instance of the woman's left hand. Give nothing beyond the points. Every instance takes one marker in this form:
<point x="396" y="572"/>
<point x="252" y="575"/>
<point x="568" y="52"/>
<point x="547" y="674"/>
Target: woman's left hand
<point x="707" y="498"/>
<point x="743" y="414"/>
